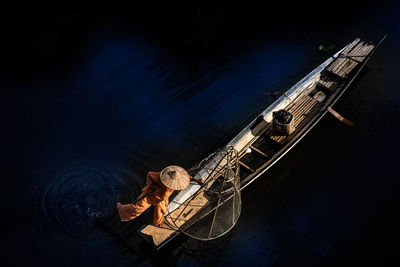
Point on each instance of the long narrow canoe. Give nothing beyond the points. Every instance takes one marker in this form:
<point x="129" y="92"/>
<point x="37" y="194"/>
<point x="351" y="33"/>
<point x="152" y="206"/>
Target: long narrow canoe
<point x="308" y="101"/>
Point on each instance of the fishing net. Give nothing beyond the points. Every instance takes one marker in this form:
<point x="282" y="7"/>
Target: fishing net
<point x="215" y="207"/>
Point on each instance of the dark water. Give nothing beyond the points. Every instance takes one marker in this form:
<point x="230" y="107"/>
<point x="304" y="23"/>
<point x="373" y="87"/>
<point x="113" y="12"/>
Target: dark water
<point x="82" y="137"/>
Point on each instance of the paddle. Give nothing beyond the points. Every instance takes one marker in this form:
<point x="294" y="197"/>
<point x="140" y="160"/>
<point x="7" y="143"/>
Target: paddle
<point x="340" y="117"/>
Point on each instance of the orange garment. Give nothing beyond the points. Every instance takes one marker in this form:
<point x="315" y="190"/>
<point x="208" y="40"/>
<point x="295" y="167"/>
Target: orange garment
<point x="158" y="198"/>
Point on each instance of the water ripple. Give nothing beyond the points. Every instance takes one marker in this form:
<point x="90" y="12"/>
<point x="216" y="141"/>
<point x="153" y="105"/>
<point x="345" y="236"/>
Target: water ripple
<point x="74" y="199"/>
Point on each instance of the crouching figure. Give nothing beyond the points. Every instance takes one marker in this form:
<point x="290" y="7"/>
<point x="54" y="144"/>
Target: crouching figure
<point x="159" y="187"/>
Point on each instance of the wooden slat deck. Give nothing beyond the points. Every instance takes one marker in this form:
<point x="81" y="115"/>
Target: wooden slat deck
<point x="350" y="58"/>
<point x="329" y="83"/>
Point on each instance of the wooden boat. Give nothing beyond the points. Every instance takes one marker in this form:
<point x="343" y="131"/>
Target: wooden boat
<point x="259" y="146"/>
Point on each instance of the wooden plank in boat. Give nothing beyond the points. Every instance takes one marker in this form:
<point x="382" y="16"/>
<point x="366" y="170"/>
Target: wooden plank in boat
<point x="361" y="52"/>
<point x="158" y="235"/>
<point x="353" y="44"/>
<point x="259" y="151"/>
<point x="304" y="113"/>
<point x="300" y="108"/>
<point x="356" y="48"/>
<point x="340" y="60"/>
<point x="368" y="50"/>
<point x="334" y="64"/>
<point x="326" y="84"/>
<point x="247" y="167"/>
<point x="354" y="59"/>
<point x="343" y="67"/>
<point x="330" y="86"/>
<point x="340" y="64"/>
<point x="303" y="108"/>
<point x="295" y="105"/>
<point x="344" y="52"/>
<point x="298" y="104"/>
<point x="346" y="68"/>
<point x="346" y="61"/>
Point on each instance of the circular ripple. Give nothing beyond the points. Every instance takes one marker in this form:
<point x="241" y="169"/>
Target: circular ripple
<point x="74" y="199"/>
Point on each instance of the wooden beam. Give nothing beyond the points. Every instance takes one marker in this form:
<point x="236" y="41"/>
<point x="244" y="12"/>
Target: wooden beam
<point x="259" y="151"/>
<point x="340" y="117"/>
<point x="247" y="167"/>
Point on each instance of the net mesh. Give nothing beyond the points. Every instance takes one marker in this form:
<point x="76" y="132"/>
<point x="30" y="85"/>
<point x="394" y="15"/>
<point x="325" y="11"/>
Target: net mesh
<point x="215" y="208"/>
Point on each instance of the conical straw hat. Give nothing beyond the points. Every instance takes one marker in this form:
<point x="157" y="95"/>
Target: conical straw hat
<point x="175" y="177"/>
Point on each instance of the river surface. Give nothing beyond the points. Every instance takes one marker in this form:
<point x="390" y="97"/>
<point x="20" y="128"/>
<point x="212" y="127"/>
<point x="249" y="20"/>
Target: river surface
<point x="82" y="139"/>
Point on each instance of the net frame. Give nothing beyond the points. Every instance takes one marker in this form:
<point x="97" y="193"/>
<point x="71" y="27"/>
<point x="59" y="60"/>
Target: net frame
<point x="225" y="165"/>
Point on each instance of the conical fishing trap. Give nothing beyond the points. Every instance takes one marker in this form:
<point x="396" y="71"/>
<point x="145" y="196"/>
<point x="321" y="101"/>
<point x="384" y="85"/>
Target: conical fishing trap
<point x="214" y="208"/>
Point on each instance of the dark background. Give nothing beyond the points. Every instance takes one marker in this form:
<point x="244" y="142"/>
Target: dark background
<point x="115" y="89"/>
<point x="44" y="34"/>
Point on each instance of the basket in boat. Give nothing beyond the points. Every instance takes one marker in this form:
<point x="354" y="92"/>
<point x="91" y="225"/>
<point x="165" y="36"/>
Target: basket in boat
<point x="283" y="126"/>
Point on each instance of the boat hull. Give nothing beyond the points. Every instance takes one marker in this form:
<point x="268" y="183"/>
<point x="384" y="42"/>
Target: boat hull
<point x="259" y="147"/>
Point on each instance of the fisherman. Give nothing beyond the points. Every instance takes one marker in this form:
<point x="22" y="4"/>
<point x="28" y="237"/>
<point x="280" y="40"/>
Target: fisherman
<point x="159" y="186"/>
